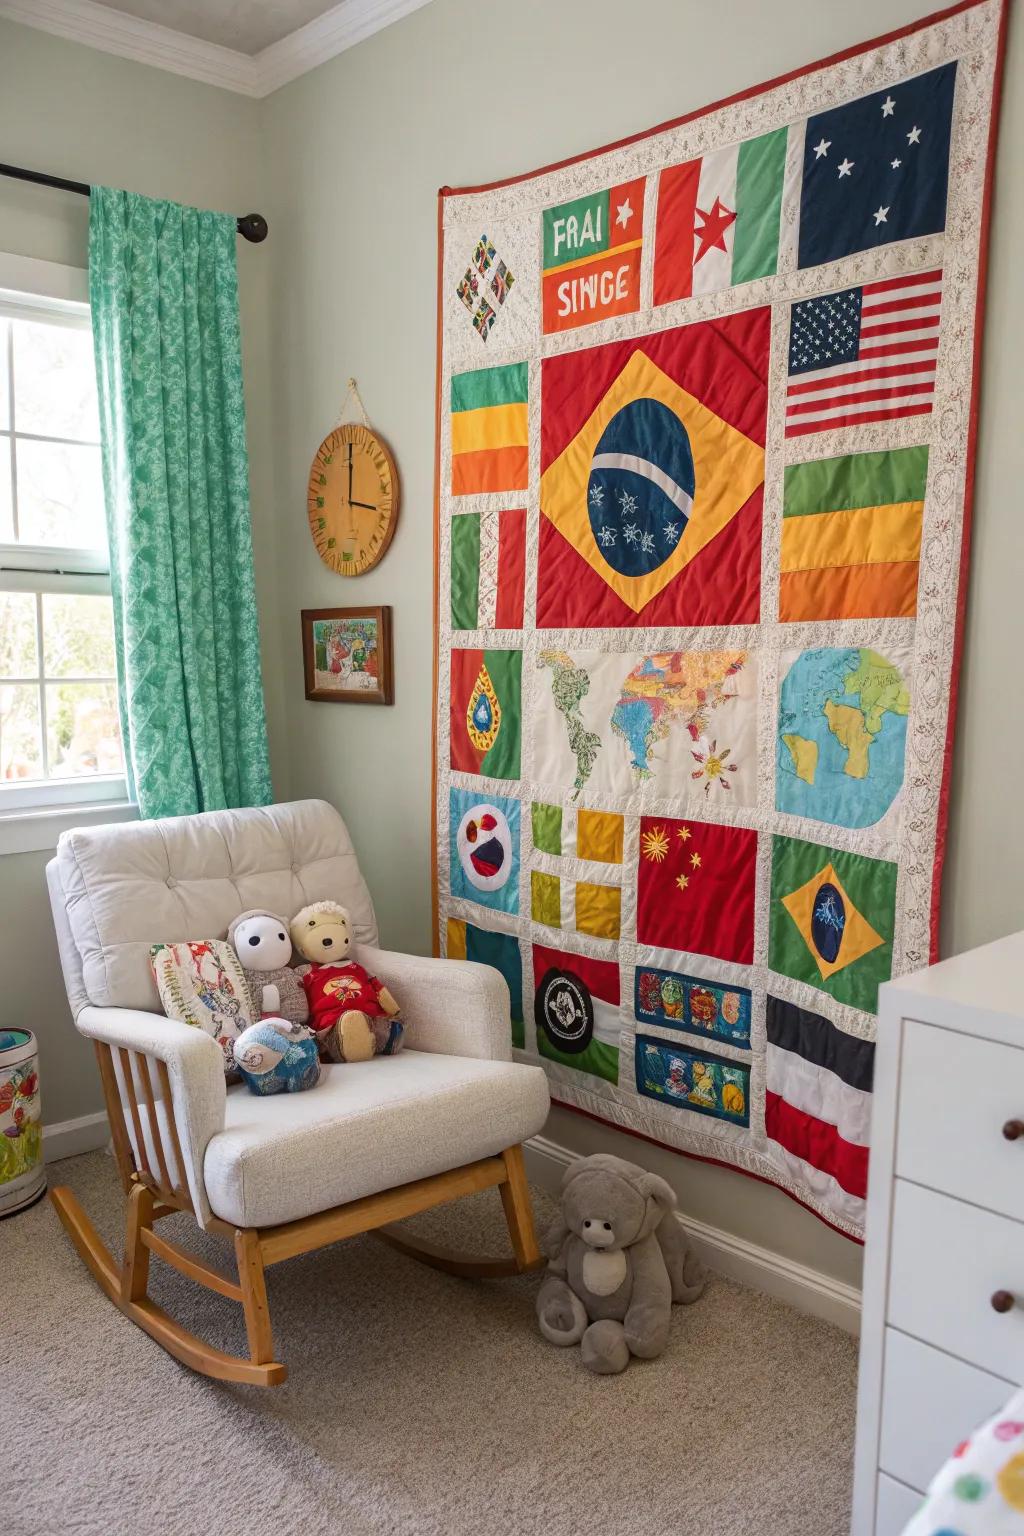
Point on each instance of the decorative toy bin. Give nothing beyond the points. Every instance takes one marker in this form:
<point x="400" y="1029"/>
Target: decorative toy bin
<point x="22" y="1172"/>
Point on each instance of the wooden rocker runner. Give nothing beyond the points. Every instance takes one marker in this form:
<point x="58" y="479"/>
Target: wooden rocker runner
<point x="373" y="1143"/>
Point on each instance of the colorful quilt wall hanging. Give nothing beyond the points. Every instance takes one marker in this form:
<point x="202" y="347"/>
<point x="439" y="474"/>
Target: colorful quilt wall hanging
<point x="706" y="425"/>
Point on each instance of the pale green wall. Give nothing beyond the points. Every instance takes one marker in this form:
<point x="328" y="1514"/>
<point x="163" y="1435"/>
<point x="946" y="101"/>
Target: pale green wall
<point x="357" y="151"/>
<point x="91" y="117"/>
<point x="346" y="163"/>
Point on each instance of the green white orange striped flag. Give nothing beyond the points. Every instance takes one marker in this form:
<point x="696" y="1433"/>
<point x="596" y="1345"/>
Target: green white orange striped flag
<point x="718" y="219"/>
<point x="489" y="430"/>
<point x="851" y="536"/>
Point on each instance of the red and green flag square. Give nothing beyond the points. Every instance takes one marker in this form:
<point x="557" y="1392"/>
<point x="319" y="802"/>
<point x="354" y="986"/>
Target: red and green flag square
<point x="576" y="1011"/>
<point x="488" y="569"/>
<point x="485" y="715"/>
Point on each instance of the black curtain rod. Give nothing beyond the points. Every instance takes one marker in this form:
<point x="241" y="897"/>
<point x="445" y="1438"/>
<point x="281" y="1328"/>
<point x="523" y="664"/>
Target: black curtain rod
<point x="251" y="226"/>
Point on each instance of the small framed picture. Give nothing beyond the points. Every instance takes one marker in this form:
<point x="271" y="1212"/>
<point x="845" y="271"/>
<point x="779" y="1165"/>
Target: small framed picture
<point x="346" y="655"/>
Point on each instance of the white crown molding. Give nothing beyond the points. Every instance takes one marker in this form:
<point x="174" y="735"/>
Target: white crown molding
<point x="330" y="34"/>
<point x="146" y="42"/>
<point x="257" y="75"/>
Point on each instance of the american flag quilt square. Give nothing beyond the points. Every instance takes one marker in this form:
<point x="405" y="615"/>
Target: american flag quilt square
<point x="865" y="355"/>
<point x="705" y="432"/>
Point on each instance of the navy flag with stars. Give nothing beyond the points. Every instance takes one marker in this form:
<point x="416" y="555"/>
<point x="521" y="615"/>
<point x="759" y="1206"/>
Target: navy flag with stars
<point x="876" y="170"/>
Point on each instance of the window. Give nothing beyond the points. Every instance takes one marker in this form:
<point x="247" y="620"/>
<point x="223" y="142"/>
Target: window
<point x="60" y="739"/>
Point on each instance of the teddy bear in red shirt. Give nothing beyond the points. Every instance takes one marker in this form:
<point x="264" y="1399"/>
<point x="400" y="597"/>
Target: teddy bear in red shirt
<point x="352" y="1014"/>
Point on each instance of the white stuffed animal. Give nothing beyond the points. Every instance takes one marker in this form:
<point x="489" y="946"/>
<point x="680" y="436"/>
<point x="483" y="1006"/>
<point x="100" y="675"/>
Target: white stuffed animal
<point x="264" y="947"/>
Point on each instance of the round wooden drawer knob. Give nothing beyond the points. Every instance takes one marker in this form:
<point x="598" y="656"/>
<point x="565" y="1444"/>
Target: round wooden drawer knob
<point x="1013" y="1130"/>
<point x="1002" y="1301"/>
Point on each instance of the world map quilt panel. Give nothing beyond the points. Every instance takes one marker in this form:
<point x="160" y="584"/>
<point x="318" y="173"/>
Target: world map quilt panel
<point x="705" y="444"/>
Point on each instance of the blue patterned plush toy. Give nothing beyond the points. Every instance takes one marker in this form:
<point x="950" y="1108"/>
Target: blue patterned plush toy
<point x="276" y="1056"/>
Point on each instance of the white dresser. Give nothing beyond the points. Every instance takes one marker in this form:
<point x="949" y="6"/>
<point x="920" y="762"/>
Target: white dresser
<point x="942" y="1333"/>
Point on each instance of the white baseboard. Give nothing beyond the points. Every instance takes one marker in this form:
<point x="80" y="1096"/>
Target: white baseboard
<point x="806" y="1289"/>
<point x="70" y="1137"/>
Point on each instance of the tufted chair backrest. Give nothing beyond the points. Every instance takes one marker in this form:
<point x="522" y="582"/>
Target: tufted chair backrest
<point x="117" y="890"/>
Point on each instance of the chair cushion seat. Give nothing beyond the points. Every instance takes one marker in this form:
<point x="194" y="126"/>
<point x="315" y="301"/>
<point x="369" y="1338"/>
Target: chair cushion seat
<point x="365" y="1127"/>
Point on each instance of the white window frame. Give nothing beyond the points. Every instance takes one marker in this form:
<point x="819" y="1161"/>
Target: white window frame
<point x="32" y="815"/>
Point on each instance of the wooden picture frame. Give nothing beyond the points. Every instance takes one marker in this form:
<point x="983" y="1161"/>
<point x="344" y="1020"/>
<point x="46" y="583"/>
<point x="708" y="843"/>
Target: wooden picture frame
<point x="340" y="661"/>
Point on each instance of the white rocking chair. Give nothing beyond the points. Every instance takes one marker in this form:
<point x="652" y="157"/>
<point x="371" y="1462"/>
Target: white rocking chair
<point x="373" y="1142"/>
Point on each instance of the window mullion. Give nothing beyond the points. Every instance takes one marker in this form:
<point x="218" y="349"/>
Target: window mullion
<point x="44" y="734"/>
<point x="64" y="442"/>
<point x="12" y="467"/>
<point x="56" y="681"/>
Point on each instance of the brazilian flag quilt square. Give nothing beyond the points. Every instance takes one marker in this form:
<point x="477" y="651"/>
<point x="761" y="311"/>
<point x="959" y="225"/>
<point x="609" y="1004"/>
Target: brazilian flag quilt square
<point x="705" y="437"/>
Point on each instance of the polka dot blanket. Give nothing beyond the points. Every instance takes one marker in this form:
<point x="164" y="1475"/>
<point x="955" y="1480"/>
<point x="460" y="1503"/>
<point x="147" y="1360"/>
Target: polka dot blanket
<point x="980" y="1490"/>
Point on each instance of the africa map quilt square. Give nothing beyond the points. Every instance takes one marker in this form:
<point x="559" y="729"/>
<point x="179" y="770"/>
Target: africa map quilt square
<point x="706" y="423"/>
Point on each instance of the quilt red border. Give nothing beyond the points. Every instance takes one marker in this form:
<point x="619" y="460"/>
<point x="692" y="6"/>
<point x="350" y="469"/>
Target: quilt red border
<point x="942" y="826"/>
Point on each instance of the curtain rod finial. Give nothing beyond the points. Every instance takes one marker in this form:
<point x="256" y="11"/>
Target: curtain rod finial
<point x="253" y="227"/>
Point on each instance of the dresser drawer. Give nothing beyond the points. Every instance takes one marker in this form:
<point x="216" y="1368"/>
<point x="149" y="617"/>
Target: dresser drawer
<point x="946" y="1260"/>
<point x="930" y="1402"/>
<point x="956" y="1094"/>
<point x="896" y="1506"/>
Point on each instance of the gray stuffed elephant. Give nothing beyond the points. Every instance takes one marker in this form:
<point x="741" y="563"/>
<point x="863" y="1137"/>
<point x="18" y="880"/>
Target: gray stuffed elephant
<point x="617" y="1260"/>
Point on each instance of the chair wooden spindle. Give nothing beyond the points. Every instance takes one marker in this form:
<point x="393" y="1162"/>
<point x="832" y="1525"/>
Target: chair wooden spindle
<point x="180" y="1188"/>
<point x="154" y="1123"/>
<point x="115" y="1113"/>
<point x="128" y="1079"/>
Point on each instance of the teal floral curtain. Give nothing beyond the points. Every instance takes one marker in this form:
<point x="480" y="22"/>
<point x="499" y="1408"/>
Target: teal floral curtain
<point x="163" y="286"/>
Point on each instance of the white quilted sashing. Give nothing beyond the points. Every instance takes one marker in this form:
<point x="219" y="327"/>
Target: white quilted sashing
<point x="910" y="834"/>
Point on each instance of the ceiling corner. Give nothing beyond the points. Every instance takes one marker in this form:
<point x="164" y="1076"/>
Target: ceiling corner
<point x="146" y="42"/>
<point x="337" y="30"/>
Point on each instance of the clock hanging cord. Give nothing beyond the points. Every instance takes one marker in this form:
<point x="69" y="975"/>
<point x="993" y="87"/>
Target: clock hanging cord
<point x="352" y="393"/>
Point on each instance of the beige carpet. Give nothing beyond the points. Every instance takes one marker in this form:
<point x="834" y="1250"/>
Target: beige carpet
<point x="415" y="1404"/>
